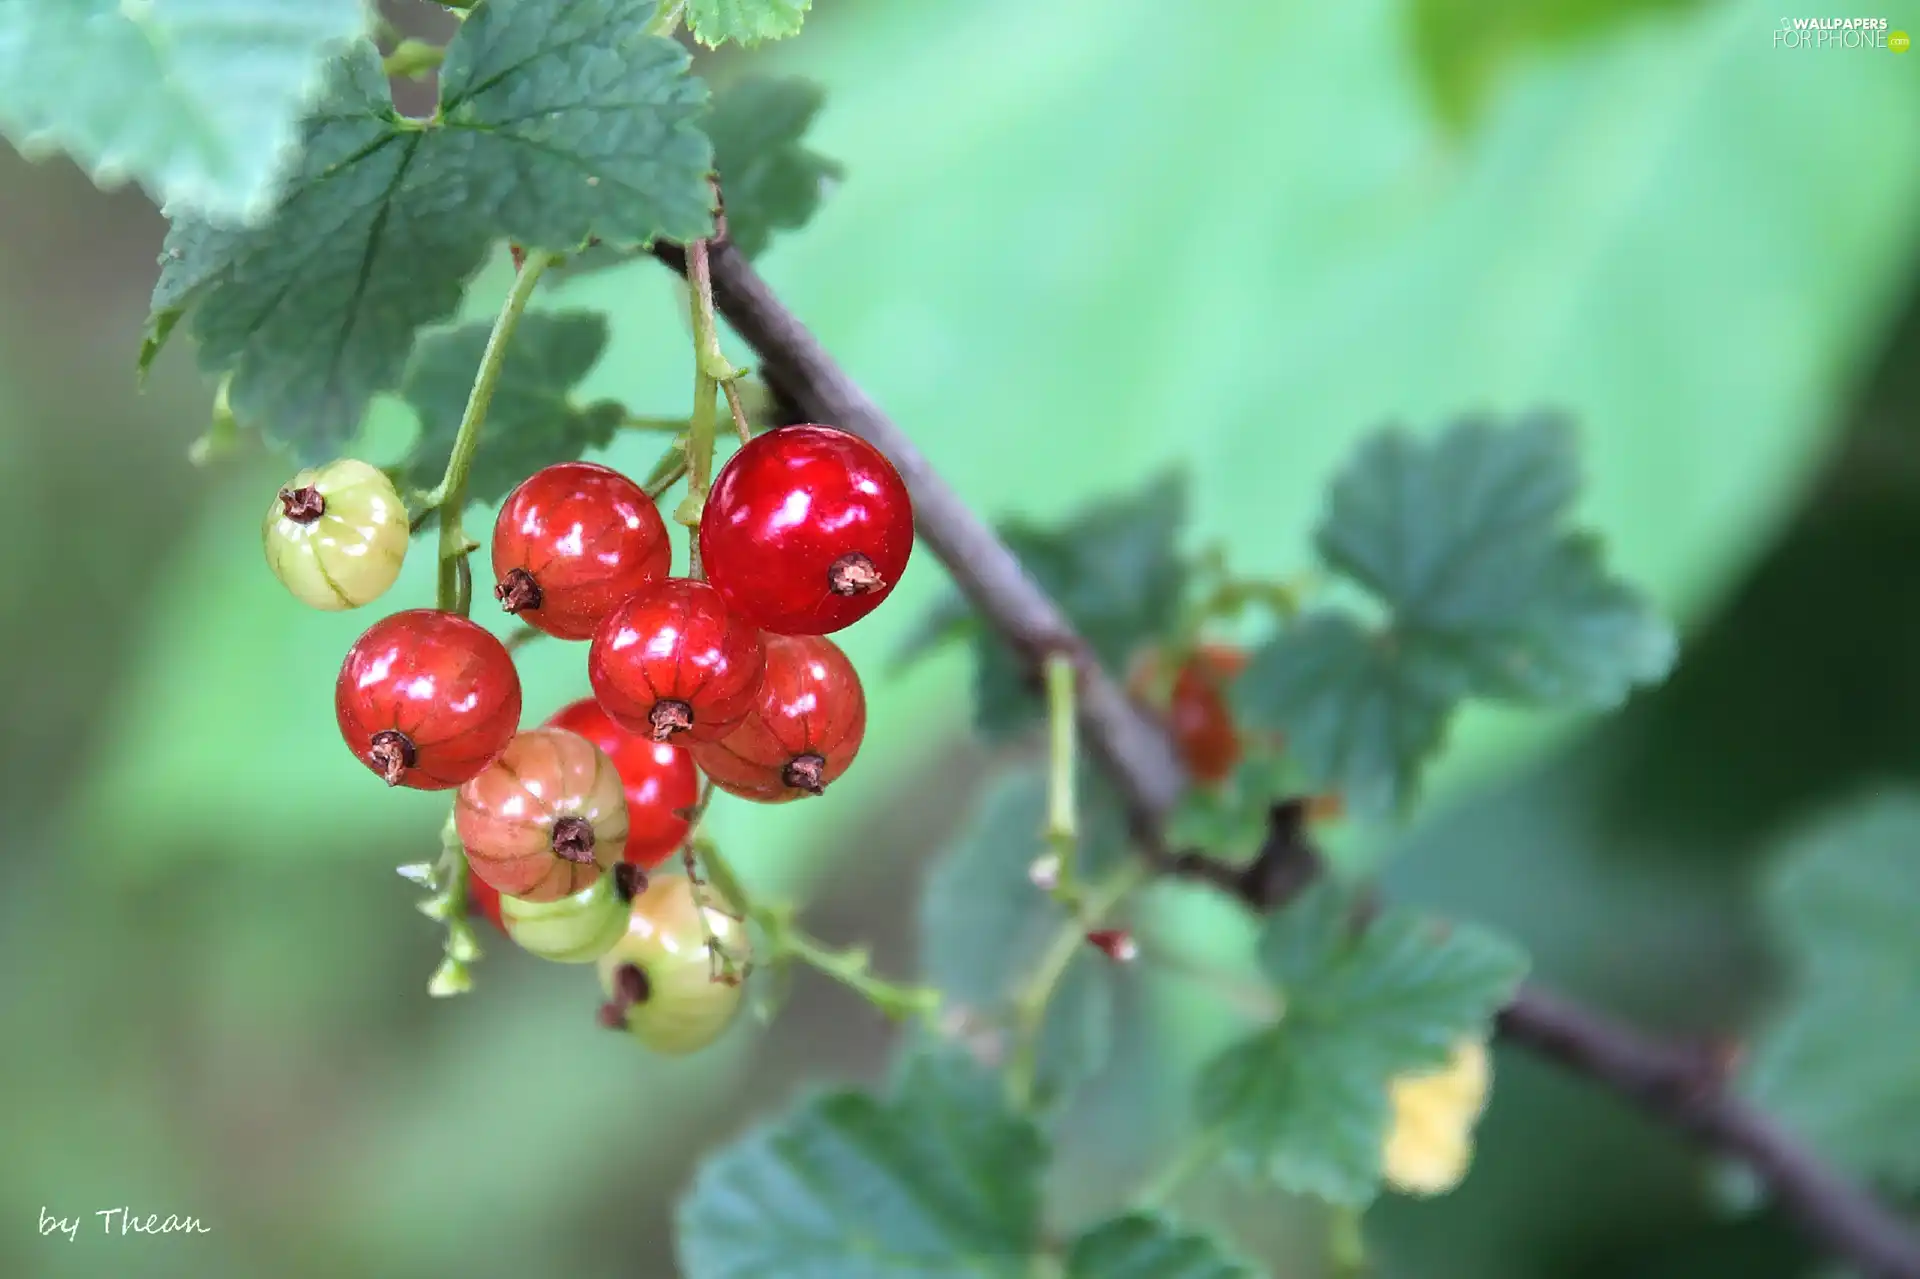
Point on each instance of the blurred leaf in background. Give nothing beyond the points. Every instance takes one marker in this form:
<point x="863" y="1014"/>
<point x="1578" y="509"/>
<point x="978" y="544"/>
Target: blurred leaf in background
<point x="1078" y="242"/>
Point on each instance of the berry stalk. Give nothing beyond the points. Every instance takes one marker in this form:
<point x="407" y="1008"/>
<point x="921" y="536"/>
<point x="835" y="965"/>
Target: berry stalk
<point x="712" y="374"/>
<point x="1030" y="1005"/>
<point x="1062" y="834"/>
<point x="450" y="497"/>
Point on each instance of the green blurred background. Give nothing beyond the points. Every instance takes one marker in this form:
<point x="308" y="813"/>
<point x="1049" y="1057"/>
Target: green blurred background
<point x="1078" y="239"/>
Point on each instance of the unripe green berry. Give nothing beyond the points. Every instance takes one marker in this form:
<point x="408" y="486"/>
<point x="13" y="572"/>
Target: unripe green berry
<point x="683" y="997"/>
<point x="336" y="535"/>
<point x="576" y="929"/>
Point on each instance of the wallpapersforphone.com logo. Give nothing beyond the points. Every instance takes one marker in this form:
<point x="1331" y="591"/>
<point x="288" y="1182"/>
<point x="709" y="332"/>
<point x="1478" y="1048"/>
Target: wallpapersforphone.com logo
<point x="1839" y="33"/>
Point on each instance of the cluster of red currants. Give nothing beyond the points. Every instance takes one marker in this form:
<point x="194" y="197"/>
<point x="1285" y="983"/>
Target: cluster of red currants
<point x="805" y="531"/>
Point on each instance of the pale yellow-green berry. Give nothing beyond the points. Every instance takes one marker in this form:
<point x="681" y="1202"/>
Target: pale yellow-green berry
<point x="684" y="996"/>
<point x="336" y="535"/>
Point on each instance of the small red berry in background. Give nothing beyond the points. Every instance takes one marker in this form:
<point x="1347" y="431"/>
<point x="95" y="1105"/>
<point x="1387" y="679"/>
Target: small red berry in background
<point x="673" y="663"/>
<point x="545" y="819"/>
<point x="484" y="899"/>
<point x="1197" y="715"/>
<point x="572" y="541"/>
<point x="427" y="699"/>
<point x="806" y="530"/>
<point x="804" y="732"/>
<point x="659" y="779"/>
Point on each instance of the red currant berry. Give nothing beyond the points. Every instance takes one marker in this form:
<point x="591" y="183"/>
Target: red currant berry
<point x="804" y="732"/>
<point x="806" y="530"/>
<point x="543" y="820"/>
<point x="571" y="542"/>
<point x="659" y="778"/>
<point x="672" y="663"/>
<point x="427" y="699"/>
<point x="484" y="899"/>
<point x="1204" y="733"/>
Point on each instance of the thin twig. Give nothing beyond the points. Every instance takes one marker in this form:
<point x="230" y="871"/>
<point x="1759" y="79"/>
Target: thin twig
<point x="1668" y="1083"/>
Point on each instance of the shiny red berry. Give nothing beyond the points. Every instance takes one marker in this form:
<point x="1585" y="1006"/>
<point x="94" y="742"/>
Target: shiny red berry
<point x="804" y="731"/>
<point x="806" y="530"/>
<point x="427" y="699"/>
<point x="673" y="663"/>
<point x="571" y="542"/>
<point x="659" y="779"/>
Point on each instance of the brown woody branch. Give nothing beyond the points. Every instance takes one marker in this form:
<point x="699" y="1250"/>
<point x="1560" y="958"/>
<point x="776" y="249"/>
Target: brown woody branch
<point x="1684" y="1088"/>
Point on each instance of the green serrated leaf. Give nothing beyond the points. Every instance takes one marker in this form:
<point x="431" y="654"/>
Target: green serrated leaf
<point x="1147" y="1246"/>
<point x="1305" y="1101"/>
<point x="1361" y="714"/>
<point x="745" y="21"/>
<point x="197" y="100"/>
<point x="533" y="421"/>
<point x="1462" y="539"/>
<point x="557" y="122"/>
<point x="984" y="926"/>
<point x="771" y="181"/>
<point x="1230" y="819"/>
<point x="1115" y="569"/>
<point x="940" y="1180"/>
<point x="1836" y="1067"/>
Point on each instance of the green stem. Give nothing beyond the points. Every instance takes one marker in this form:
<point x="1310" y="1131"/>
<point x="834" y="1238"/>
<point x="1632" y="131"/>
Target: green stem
<point x="1187" y="1163"/>
<point x="671" y="425"/>
<point x="786" y="941"/>
<point x="666" y="19"/>
<point x="1346" y="1243"/>
<point x="851" y="967"/>
<point x="456" y="583"/>
<point x="707" y="381"/>
<point x="446" y="880"/>
<point x="1062" y="828"/>
<point x="1030" y="1005"/>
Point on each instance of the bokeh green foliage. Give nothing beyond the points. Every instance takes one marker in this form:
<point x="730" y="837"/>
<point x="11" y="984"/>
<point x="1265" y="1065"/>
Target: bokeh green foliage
<point x="1076" y="241"/>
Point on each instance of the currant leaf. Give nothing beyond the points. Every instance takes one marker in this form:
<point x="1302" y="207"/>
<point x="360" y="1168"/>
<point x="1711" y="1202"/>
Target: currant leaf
<point x="197" y="100"/>
<point x="1115" y="569"/>
<point x="1147" y="1246"/>
<point x="533" y="421"/>
<point x="984" y="926"/>
<point x="940" y="1179"/>
<point x="1231" y="820"/>
<point x="1305" y="1101"/>
<point x="1842" y="899"/>
<point x="557" y="122"/>
<point x="1462" y="539"/>
<point x="772" y="182"/>
<point x="745" y="21"/>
